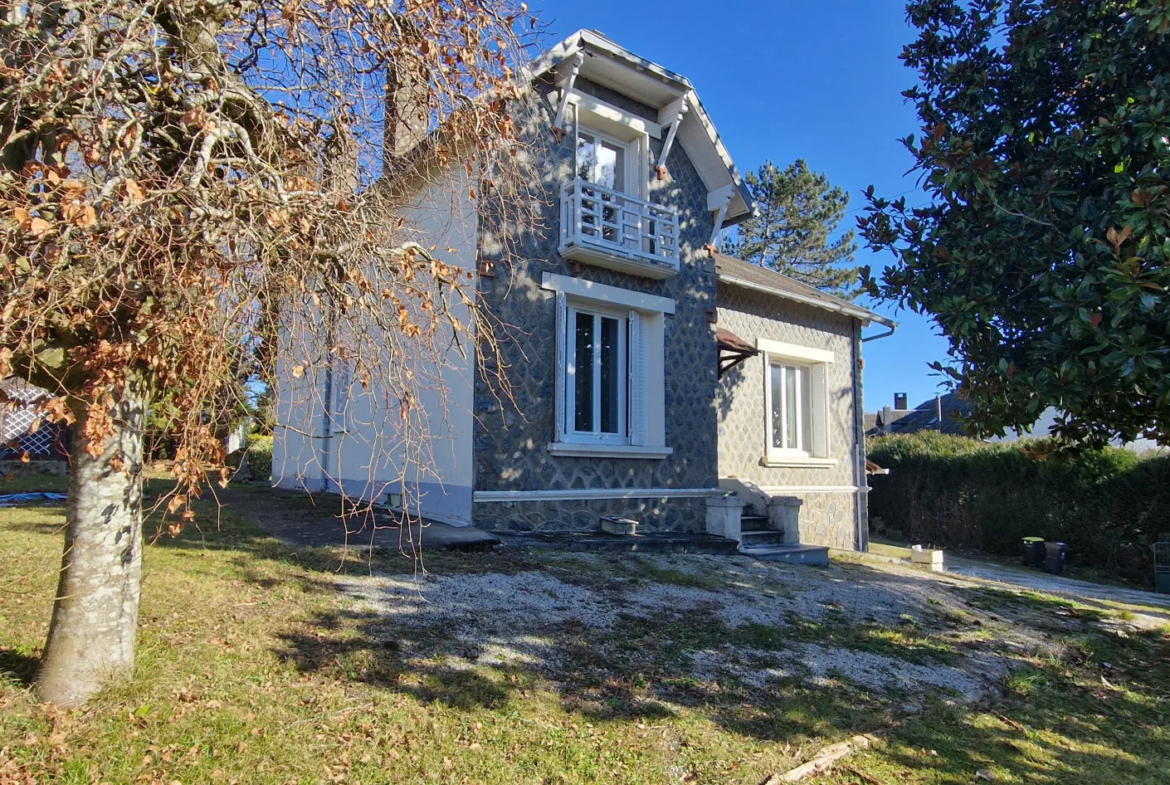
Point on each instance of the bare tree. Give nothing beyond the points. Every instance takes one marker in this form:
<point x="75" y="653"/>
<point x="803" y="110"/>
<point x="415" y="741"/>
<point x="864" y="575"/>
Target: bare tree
<point x="193" y="190"/>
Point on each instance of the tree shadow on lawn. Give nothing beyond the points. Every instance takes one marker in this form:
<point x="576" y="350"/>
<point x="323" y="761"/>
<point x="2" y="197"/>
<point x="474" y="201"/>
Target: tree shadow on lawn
<point x="641" y="671"/>
<point x="20" y="668"/>
<point x="619" y="676"/>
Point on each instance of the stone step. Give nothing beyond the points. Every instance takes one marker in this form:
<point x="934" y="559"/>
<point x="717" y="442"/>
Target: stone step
<point x="753" y="539"/>
<point x="753" y="523"/>
<point x="792" y="553"/>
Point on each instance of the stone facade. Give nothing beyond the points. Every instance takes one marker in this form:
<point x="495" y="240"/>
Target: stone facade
<point x="827" y="517"/>
<point x="514" y="426"/>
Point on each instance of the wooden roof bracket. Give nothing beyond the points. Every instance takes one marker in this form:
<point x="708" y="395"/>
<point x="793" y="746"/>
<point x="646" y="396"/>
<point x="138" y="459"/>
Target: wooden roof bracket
<point x="676" y="110"/>
<point x="720" y="214"/>
<point x="558" y="126"/>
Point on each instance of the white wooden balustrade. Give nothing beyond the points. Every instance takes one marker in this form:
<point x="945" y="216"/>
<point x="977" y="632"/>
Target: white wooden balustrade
<point x="605" y="228"/>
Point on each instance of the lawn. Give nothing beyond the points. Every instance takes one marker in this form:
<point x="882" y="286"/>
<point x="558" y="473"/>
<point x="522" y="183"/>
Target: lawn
<point x="263" y="664"/>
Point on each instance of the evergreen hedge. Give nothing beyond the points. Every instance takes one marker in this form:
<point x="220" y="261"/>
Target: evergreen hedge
<point x="260" y="457"/>
<point x="1109" y="505"/>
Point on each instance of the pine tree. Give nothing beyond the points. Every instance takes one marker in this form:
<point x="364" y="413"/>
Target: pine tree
<point x="799" y="211"/>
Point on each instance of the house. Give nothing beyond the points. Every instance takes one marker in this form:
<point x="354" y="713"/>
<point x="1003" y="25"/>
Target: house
<point x="649" y="377"/>
<point x="943" y="413"/>
<point x="946" y="414"/>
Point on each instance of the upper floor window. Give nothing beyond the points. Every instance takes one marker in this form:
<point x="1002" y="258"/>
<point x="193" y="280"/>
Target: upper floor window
<point x="601" y="160"/>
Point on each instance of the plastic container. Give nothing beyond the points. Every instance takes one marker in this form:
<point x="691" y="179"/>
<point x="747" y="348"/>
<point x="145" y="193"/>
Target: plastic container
<point x="1055" y="554"/>
<point x="1034" y="552"/>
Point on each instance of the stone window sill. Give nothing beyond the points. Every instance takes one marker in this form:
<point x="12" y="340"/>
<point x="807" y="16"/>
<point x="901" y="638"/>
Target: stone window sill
<point x="798" y="462"/>
<point x="575" y="450"/>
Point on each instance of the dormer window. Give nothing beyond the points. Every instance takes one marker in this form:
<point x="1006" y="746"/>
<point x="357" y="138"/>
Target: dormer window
<point x="601" y="160"/>
<point x="607" y="218"/>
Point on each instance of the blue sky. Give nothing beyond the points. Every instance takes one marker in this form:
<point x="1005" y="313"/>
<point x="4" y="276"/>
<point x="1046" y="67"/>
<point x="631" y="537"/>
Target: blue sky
<point x="787" y="79"/>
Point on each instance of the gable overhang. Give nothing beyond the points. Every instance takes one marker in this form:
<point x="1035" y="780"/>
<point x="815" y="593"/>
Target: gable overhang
<point x="607" y="64"/>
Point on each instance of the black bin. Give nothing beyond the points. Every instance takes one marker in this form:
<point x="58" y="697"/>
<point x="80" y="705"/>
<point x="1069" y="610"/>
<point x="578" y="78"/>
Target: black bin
<point x="1034" y="552"/>
<point x="1055" y="554"/>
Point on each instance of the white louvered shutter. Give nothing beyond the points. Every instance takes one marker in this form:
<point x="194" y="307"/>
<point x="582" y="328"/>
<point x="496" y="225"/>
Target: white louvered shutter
<point x="560" y="389"/>
<point x="819" y="409"/>
<point x="637" y="369"/>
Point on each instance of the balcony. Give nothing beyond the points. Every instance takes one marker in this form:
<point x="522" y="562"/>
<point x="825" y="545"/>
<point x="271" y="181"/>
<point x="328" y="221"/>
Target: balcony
<point x="604" y="228"/>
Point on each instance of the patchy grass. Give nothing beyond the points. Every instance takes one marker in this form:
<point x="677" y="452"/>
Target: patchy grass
<point x="253" y="668"/>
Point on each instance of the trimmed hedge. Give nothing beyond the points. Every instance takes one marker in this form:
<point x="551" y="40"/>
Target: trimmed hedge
<point x="1109" y="505"/>
<point x="260" y="457"/>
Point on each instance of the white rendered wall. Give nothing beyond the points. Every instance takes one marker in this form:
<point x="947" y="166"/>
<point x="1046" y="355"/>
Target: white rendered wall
<point x="371" y="450"/>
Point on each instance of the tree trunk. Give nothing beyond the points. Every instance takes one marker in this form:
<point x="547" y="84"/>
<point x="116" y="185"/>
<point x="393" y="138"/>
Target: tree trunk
<point x="95" y="617"/>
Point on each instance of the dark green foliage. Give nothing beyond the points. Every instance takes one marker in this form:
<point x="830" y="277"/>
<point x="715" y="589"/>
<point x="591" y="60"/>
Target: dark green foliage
<point x="799" y="210"/>
<point x="1109" y="505"/>
<point x="1043" y="252"/>
<point x="260" y="457"/>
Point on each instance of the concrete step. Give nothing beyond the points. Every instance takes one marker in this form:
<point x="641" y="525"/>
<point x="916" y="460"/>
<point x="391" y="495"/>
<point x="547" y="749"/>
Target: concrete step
<point x="753" y="539"/>
<point x="753" y="523"/>
<point x="641" y="543"/>
<point x="793" y="553"/>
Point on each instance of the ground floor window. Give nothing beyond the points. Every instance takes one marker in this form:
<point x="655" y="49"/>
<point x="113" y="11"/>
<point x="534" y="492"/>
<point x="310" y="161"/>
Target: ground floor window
<point x="791" y="407"/>
<point x="597" y="381"/>
<point x="796" y="401"/>
<point x="610" y="370"/>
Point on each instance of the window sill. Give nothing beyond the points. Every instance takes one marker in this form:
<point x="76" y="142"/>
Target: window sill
<point x="576" y="450"/>
<point x="798" y="462"/>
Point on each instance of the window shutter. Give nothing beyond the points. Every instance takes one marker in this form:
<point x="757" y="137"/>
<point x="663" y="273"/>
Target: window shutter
<point x="560" y="387"/>
<point x="637" y="369"/>
<point x="819" y="388"/>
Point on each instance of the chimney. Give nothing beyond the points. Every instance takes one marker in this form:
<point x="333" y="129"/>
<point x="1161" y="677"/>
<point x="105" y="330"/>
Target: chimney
<point x="938" y="408"/>
<point x="407" y="112"/>
<point x="341" y="158"/>
<point x="900" y="401"/>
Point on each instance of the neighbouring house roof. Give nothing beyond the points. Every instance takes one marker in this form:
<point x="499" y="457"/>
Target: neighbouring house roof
<point x="610" y="65"/>
<point x="924" y="417"/>
<point x="736" y="272"/>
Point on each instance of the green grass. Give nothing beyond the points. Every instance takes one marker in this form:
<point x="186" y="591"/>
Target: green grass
<point x="252" y="668"/>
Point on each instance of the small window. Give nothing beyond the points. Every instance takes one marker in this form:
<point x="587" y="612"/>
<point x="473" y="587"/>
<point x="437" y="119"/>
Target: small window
<point x="791" y="419"/>
<point x="796" y="402"/>
<point x="596" y="383"/>
<point x="601" y="160"/>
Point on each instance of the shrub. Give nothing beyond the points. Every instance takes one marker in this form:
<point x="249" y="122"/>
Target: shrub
<point x="260" y="457"/>
<point x="1109" y="505"/>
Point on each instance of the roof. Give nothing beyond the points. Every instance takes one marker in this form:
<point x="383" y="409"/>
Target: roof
<point x="736" y="272"/>
<point x="613" y="66"/>
<point x="923" y="417"/>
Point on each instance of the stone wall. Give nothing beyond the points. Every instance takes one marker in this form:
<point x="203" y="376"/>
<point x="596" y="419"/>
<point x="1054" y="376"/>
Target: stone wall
<point x="827" y="517"/>
<point x="515" y="425"/>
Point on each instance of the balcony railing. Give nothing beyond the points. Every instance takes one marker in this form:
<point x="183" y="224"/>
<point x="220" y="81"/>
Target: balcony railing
<point x="605" y="228"/>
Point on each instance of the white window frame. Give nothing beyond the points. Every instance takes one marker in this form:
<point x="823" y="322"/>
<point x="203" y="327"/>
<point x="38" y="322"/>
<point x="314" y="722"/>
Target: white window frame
<point x="618" y="128"/>
<point x="643" y="406"/>
<point x="628" y="156"/>
<point x="815" y="363"/>
<point x="622" y="436"/>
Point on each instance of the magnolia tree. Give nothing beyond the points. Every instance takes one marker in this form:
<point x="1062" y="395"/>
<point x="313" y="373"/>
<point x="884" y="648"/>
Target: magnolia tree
<point x="187" y="185"/>
<point x="1043" y="251"/>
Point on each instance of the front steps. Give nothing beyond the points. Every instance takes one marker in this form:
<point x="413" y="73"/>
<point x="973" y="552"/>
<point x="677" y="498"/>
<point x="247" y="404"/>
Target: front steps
<point x="760" y="542"/>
